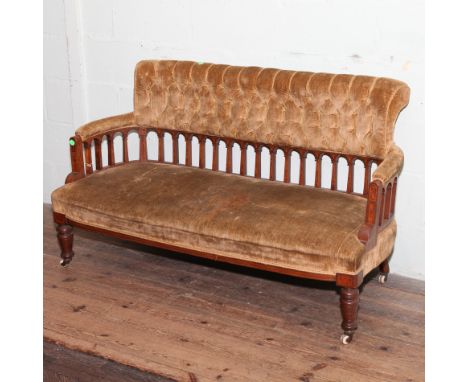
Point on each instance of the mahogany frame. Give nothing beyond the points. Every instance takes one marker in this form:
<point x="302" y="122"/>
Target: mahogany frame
<point x="379" y="211"/>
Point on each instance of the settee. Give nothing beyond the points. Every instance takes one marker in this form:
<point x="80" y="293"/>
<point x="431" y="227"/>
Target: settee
<point x="239" y="171"/>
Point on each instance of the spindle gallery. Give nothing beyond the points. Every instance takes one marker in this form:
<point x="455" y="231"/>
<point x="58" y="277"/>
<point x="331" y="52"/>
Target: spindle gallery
<point x="204" y="209"/>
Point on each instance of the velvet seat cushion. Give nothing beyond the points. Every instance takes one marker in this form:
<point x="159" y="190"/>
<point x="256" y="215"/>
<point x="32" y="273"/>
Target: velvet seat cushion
<point x="284" y="225"/>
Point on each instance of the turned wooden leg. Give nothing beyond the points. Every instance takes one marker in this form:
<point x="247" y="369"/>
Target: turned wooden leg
<point x="384" y="269"/>
<point x="65" y="239"/>
<point x="349" y="302"/>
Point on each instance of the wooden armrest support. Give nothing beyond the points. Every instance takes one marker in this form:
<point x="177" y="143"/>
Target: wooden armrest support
<point x="381" y="196"/>
<point x="380" y="210"/>
<point x="76" y="158"/>
<point x="368" y="231"/>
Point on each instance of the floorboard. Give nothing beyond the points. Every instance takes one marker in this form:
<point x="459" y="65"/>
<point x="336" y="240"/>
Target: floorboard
<point x="189" y="319"/>
<point x="65" y="365"/>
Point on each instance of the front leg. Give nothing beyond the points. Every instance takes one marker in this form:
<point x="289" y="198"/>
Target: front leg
<point x="349" y="303"/>
<point x="65" y="239"/>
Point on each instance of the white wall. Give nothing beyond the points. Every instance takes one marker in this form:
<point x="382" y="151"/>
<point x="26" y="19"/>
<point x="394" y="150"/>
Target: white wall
<point x="58" y="116"/>
<point x="92" y="76"/>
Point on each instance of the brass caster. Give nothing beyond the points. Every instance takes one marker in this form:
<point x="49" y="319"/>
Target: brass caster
<point x="345" y="339"/>
<point x="383" y="278"/>
<point x="64" y="262"/>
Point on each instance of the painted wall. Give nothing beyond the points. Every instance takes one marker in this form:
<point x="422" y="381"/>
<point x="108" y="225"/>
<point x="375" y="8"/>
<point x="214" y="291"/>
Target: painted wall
<point x="91" y="47"/>
<point x="58" y="115"/>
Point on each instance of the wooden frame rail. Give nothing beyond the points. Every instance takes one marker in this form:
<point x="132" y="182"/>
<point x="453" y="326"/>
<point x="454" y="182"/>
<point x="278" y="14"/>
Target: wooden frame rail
<point x="83" y="166"/>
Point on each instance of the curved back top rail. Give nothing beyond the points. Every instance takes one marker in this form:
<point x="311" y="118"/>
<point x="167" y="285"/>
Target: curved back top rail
<point x="341" y="113"/>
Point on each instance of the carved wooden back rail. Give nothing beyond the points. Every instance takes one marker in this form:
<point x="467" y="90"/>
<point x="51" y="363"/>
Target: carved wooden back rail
<point x="380" y="197"/>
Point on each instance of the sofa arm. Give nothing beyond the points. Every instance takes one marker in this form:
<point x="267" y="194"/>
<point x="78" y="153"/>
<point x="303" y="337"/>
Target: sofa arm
<point x="381" y="196"/>
<point x="104" y="125"/>
<point x="86" y="133"/>
<point x="390" y="167"/>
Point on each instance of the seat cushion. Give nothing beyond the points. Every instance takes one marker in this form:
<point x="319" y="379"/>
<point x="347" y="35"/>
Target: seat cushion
<point x="285" y="225"/>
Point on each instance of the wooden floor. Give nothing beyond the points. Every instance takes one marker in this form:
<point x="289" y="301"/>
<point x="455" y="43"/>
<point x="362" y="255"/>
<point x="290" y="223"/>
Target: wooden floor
<point x="193" y="320"/>
<point x="65" y="365"/>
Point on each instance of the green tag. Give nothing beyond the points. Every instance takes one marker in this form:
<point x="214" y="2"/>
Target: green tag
<point x="200" y="62"/>
<point x="71" y="142"/>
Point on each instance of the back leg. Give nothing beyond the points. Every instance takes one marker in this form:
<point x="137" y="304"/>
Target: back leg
<point x="384" y="269"/>
<point x="65" y="239"/>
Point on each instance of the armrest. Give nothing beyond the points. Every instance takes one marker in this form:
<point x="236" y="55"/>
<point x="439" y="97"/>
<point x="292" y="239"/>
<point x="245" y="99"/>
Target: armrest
<point x="381" y="196"/>
<point x="104" y="125"/>
<point x="87" y="131"/>
<point x="390" y="167"/>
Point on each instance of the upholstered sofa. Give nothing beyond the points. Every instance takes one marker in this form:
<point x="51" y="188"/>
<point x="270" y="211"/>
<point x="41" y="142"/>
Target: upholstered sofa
<point x="219" y="183"/>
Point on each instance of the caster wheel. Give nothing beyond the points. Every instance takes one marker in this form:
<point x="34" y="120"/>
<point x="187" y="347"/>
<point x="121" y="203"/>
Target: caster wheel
<point x="345" y="339"/>
<point x="64" y="262"/>
<point x="383" y="278"/>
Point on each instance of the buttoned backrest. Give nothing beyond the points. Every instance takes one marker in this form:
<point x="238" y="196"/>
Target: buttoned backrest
<point x="331" y="112"/>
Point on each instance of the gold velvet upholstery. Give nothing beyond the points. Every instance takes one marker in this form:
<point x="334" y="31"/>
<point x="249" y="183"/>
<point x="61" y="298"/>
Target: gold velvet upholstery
<point x="391" y="166"/>
<point x="105" y="125"/>
<point x="334" y="112"/>
<point x="273" y="223"/>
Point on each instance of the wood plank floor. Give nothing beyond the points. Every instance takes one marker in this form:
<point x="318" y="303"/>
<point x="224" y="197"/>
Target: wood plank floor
<point x="65" y="365"/>
<point x="194" y="320"/>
